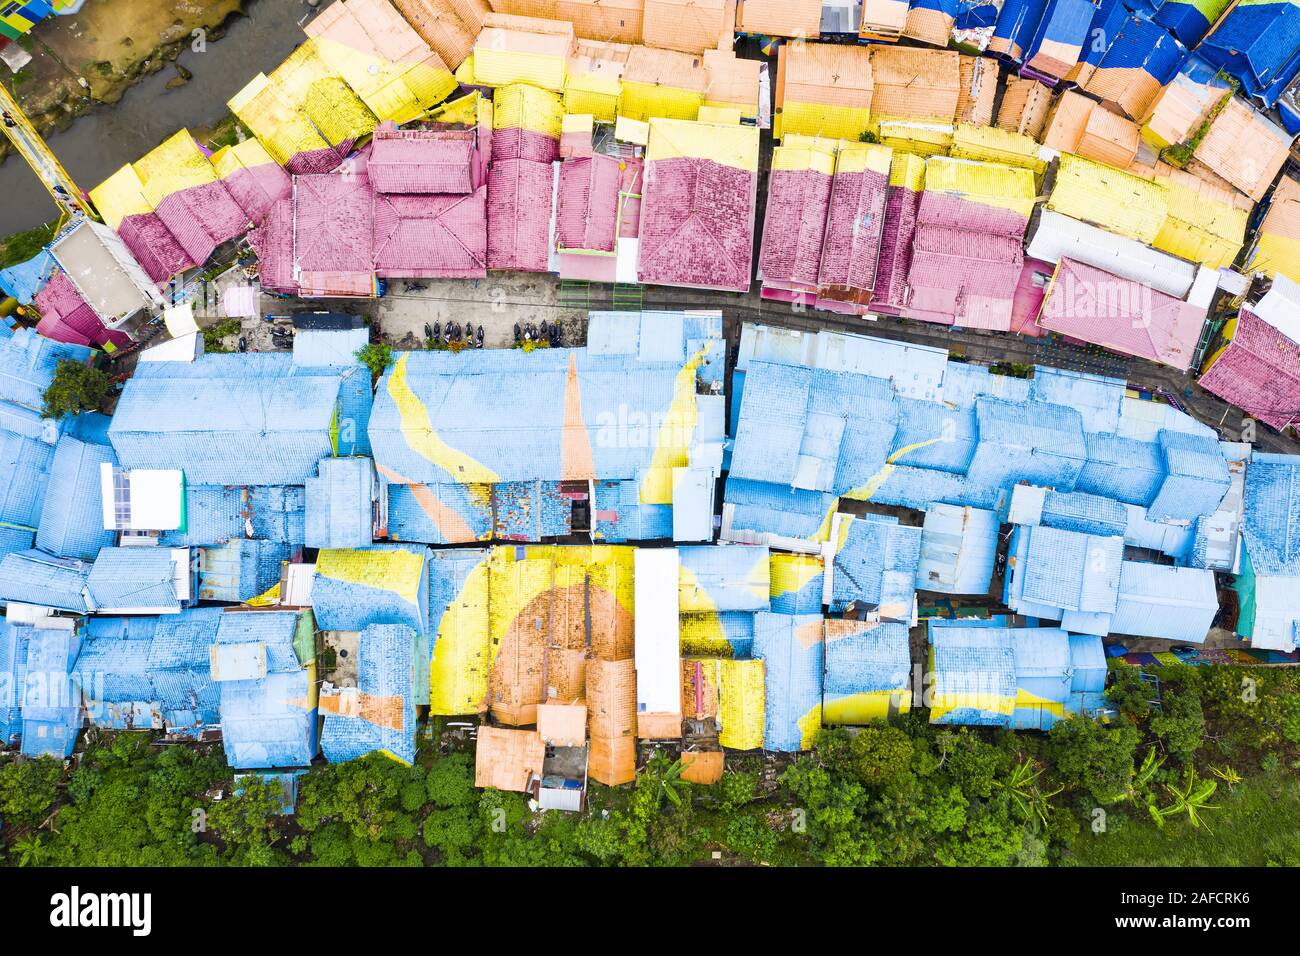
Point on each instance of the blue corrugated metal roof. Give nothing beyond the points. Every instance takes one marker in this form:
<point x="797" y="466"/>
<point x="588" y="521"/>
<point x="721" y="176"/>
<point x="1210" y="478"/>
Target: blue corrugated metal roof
<point x="24" y="475"/>
<point x="339" y="504"/>
<point x="1259" y="45"/>
<point x="977" y="666"/>
<point x="1196" y="478"/>
<point x="868" y="660"/>
<point x="1271" y="525"/>
<point x="213" y="515"/>
<point x="384" y="670"/>
<point x="877" y="566"/>
<point x="792" y="676"/>
<point x="238" y="431"/>
<point x="958" y="549"/>
<point x="72" y="516"/>
<point x="35" y="577"/>
<point x="1088" y="664"/>
<point x="1083" y="512"/>
<point x="1176" y="604"/>
<point x="733" y="577"/>
<point x="1039" y="443"/>
<point x="27" y="363"/>
<point x="1122" y="468"/>
<point x="133" y="577"/>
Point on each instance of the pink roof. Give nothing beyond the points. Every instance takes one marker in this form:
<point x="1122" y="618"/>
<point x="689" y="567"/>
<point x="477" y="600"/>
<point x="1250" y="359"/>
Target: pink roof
<point x="67" y="317"/>
<point x="1258" y="372"/>
<point x="629" y="226"/>
<point x="851" y="250"/>
<point x="962" y="277"/>
<point x="890" y="292"/>
<point x="334" y="223"/>
<point x="431" y="237"/>
<point x="319" y="160"/>
<point x="966" y="263"/>
<point x="422" y="161"/>
<point x="1028" y="300"/>
<point x="1121" y="315"/>
<point x="697" y="225"/>
<point x="154" y="247"/>
<point x="793" y="227"/>
<point x="273" y="242"/>
<point x="202" y="218"/>
<point x="257" y="188"/>
<point x="519" y="215"/>
<point x="587" y="203"/>
<point x="516" y="143"/>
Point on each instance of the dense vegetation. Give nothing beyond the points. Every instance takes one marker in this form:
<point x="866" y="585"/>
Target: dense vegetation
<point x="76" y="387"/>
<point x="1200" y="771"/>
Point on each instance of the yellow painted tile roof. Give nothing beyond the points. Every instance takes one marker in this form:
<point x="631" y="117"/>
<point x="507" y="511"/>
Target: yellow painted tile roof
<point x="1110" y="198"/>
<point x="907" y="170"/>
<point x="119" y="196"/>
<point x="504" y="56"/>
<point x="283" y="129"/>
<point x="175" y="165"/>
<point x="689" y="26"/>
<point x="817" y="155"/>
<point x="924" y="139"/>
<point x="1206" y="224"/>
<point x="735" y="146"/>
<point x="246" y="155"/>
<point x="990" y="144"/>
<point x="1278" y="248"/>
<point x="539" y="22"/>
<point x="863" y="157"/>
<point x="992" y="184"/>
<point x="520" y="106"/>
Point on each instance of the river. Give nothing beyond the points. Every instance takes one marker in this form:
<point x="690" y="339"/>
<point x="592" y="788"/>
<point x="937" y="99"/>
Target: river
<point x="103" y="140"/>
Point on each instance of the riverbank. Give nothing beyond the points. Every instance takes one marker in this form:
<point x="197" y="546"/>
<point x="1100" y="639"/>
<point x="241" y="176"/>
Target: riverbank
<point x="94" y="57"/>
<point x="142" y="96"/>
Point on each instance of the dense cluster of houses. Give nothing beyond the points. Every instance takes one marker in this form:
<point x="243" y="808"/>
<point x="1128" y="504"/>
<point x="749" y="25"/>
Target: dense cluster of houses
<point x="630" y="540"/>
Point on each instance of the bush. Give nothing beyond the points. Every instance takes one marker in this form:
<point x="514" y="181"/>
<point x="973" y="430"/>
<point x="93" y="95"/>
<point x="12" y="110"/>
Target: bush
<point x="76" y="388"/>
<point x="375" y="356"/>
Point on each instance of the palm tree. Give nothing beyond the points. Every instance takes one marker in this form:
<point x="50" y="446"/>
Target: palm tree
<point x="665" y="779"/>
<point x="1144" y="774"/>
<point x="1022" y="789"/>
<point x="31" y="851"/>
<point x="1227" y="775"/>
<point x="1192" y="798"/>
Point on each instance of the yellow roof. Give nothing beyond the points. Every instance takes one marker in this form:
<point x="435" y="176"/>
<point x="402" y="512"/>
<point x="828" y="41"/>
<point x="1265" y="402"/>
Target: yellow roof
<point x="513" y="56"/>
<point x="811" y="154"/>
<point x="735" y="146"/>
<point x="996" y="145"/>
<point x="175" y="165"/>
<point x="908" y="170"/>
<point x="990" y="184"/>
<point x="527" y="107"/>
<point x="246" y="155"/>
<point x="119" y="196"/>
<point x="1206" y="224"/>
<point x="1110" y="198"/>
<point x="864" y="157"/>
<point x="924" y="139"/>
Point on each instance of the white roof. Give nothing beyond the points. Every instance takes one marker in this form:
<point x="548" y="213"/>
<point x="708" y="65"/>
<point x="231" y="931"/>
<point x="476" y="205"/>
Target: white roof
<point x="658" y="642"/>
<point x="1280" y="307"/>
<point x="1056" y="236"/>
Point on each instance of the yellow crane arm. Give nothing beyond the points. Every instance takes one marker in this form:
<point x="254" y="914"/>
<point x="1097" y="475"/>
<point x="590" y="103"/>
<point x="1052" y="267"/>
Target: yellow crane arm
<point x="33" y="148"/>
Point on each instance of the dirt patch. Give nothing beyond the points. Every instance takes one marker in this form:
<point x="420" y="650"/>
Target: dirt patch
<point x="94" y="57"/>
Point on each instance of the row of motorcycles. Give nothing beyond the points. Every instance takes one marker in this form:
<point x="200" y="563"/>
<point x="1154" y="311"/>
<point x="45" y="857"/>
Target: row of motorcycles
<point x="548" y="334"/>
<point x="454" y="333"/>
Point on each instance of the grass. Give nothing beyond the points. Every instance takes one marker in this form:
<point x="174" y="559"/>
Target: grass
<point x="21" y="246"/>
<point x="1257" y="824"/>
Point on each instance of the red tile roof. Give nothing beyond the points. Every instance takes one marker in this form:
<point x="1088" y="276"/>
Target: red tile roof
<point x="1259" y="372"/>
<point x="431" y="237"/>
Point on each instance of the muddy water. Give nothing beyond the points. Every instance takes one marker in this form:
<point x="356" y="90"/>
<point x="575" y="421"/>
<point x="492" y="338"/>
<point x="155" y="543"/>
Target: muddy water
<point x="103" y="140"/>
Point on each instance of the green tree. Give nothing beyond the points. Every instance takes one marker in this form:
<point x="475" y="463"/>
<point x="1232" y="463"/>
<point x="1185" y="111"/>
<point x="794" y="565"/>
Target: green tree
<point x="76" y="387"/>
<point x="28" y="788"/>
<point x="879" y="754"/>
<point x="1094" y="758"/>
<point x="377" y="357"/>
<point x="1181" y="725"/>
<point x="1192" y="799"/>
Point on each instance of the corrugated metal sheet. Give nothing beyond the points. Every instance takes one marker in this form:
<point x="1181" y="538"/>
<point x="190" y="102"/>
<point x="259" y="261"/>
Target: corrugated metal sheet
<point x="958" y="547"/>
<point x="1176" y="604"/>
